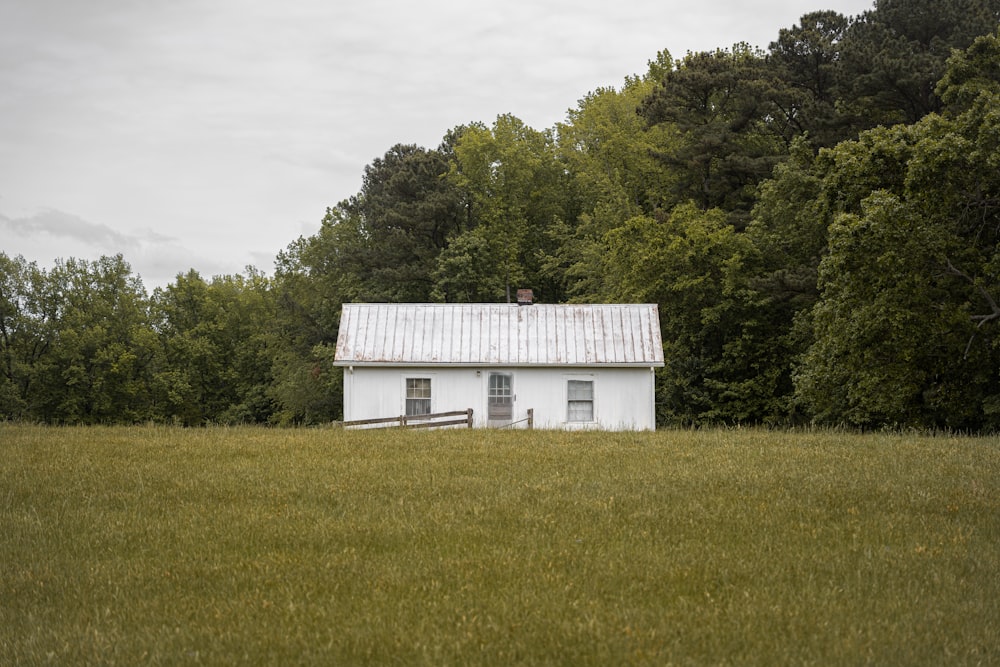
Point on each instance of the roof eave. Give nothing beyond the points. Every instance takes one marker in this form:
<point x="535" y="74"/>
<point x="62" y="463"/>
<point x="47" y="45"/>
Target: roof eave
<point x="438" y="364"/>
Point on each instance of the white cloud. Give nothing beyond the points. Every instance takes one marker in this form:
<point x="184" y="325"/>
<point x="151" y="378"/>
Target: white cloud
<point x="59" y="226"/>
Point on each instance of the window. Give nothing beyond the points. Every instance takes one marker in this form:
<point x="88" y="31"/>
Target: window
<point x="418" y="396"/>
<point x="500" y="398"/>
<point x="580" y="394"/>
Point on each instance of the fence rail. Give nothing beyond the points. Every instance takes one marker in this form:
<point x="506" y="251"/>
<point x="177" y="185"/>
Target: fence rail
<point x="529" y="420"/>
<point x="417" y="421"/>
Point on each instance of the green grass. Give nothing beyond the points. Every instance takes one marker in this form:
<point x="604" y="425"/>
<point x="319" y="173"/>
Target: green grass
<point x="253" y="546"/>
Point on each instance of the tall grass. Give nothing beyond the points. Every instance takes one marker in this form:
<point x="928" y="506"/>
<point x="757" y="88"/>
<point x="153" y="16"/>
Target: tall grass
<point x="251" y="546"/>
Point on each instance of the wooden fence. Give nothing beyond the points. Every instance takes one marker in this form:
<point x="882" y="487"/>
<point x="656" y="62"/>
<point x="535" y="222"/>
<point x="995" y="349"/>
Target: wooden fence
<point x="529" y="420"/>
<point x="417" y="421"/>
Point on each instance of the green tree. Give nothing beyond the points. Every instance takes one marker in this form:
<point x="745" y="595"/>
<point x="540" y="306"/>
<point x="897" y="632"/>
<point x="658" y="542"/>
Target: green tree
<point x="610" y="153"/>
<point x="466" y="270"/>
<point x="215" y="338"/>
<point x="100" y="362"/>
<point x="691" y="264"/>
<point x="312" y="279"/>
<point x="885" y="328"/>
<point x="905" y="328"/>
<point x="28" y="314"/>
<point x="893" y="56"/>
<point x="732" y="132"/>
<point x="406" y="211"/>
<point x="805" y="59"/>
<point x="514" y="188"/>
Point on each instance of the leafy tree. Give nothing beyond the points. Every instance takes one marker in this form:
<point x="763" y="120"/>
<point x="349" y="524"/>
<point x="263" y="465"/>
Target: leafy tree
<point x="732" y="132"/>
<point x="883" y="329"/>
<point x="383" y="244"/>
<point x="99" y="364"/>
<point x="972" y="77"/>
<point x="466" y="270"/>
<point x="610" y="152"/>
<point x="894" y="55"/>
<point x="515" y="188"/>
<point x="312" y="279"/>
<point x="805" y="59"/>
<point x="610" y="149"/>
<point x="27" y="332"/>
<point x="248" y="317"/>
<point x="405" y="213"/>
<point x="215" y="337"/>
<point x="905" y="329"/>
<point x="690" y="264"/>
<point x="789" y="227"/>
<point x="789" y="234"/>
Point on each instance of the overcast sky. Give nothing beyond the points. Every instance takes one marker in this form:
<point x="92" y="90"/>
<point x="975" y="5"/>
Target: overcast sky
<point x="210" y="134"/>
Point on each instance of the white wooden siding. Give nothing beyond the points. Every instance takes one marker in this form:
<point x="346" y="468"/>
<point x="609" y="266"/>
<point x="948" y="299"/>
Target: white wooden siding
<point x="623" y="397"/>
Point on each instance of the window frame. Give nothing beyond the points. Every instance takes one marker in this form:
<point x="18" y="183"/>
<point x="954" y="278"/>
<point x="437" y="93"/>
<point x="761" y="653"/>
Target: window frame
<point x="573" y="415"/>
<point x="409" y="400"/>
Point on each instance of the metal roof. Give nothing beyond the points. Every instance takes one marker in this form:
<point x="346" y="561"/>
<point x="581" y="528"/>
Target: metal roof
<point x="499" y="334"/>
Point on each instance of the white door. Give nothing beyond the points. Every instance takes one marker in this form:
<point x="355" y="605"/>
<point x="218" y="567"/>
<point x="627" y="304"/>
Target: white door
<point x="500" y="399"/>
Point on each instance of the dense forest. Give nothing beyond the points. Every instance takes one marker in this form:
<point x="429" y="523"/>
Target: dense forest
<point x="818" y="224"/>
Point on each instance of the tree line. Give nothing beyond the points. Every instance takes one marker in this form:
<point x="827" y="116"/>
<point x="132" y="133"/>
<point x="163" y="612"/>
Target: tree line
<point x="817" y="222"/>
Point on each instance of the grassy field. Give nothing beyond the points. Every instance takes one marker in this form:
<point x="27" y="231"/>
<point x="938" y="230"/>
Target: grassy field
<point x="252" y="546"/>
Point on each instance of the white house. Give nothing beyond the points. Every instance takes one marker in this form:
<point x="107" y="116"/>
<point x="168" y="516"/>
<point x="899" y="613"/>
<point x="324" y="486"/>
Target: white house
<point x="573" y="366"/>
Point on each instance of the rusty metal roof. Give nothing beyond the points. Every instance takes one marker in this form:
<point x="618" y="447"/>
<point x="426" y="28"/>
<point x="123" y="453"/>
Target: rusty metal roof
<point x="499" y="334"/>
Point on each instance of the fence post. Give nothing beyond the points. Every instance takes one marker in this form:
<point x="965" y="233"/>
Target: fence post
<point x="402" y="421"/>
<point x="531" y="418"/>
<point x="469" y="412"/>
